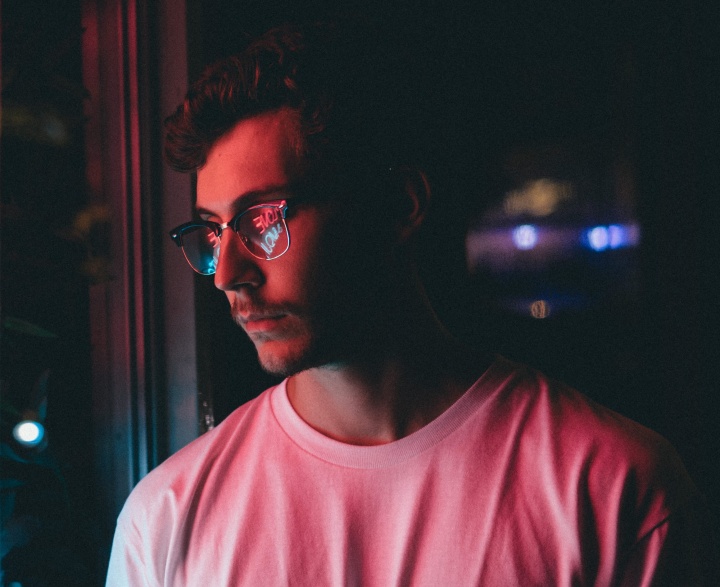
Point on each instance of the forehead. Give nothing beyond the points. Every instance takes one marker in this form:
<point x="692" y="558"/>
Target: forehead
<point x="257" y="155"/>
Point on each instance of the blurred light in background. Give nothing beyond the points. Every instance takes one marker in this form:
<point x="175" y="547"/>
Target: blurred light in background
<point x="598" y="238"/>
<point x="614" y="236"/>
<point x="41" y="124"/>
<point x="525" y="237"/>
<point x="539" y="197"/>
<point x="553" y="245"/>
<point x="540" y="309"/>
<point x="501" y="248"/>
<point x="29" y="432"/>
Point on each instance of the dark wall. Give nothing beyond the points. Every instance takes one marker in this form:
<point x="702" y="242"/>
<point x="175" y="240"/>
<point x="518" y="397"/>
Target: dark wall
<point x="45" y="255"/>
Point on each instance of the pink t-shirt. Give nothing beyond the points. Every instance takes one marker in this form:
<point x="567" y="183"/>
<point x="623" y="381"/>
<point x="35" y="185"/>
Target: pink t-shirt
<point x="522" y="481"/>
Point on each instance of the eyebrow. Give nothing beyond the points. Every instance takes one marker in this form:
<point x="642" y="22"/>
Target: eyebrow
<point x="247" y="199"/>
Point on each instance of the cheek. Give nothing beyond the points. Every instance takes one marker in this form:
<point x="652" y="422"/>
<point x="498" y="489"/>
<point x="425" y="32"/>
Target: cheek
<point x="298" y="274"/>
<point x="354" y="251"/>
<point x="334" y="262"/>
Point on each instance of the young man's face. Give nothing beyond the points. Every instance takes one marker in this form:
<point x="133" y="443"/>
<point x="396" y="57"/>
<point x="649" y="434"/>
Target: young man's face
<point x="294" y="308"/>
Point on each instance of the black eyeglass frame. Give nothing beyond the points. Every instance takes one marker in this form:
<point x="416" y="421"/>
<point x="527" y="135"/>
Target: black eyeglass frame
<point x="176" y="234"/>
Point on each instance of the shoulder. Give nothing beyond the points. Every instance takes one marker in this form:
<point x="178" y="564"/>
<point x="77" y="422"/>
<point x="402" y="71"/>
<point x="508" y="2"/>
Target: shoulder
<point x="178" y="478"/>
<point x="580" y="441"/>
<point x="157" y="516"/>
<point x="621" y="484"/>
<point x="555" y="411"/>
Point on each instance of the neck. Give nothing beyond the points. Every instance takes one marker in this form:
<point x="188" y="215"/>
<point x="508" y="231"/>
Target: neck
<point x="411" y="373"/>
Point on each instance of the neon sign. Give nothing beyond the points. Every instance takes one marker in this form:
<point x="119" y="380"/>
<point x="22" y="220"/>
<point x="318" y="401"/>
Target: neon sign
<point x="272" y="234"/>
<point x="266" y="218"/>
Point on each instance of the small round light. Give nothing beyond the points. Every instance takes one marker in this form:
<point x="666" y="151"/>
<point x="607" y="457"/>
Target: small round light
<point x="540" y="309"/>
<point x="29" y="432"/>
<point x="525" y="237"/>
<point x="598" y="238"/>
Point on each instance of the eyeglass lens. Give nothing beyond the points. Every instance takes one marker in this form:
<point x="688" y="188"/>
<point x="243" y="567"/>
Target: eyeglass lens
<point x="262" y="230"/>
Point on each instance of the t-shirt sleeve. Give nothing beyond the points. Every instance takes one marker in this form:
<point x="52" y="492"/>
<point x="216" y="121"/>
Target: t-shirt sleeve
<point x="680" y="551"/>
<point x="127" y="558"/>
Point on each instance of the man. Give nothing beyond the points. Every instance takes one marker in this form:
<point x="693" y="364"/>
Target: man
<point x="390" y="454"/>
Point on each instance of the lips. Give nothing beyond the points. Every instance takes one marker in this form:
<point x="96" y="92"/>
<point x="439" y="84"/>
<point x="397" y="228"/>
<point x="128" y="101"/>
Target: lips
<point x="258" y="323"/>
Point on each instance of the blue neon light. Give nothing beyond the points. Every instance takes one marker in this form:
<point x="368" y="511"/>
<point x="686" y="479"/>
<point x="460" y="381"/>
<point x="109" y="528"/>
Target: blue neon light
<point x="525" y="236"/>
<point x="611" y="237"/>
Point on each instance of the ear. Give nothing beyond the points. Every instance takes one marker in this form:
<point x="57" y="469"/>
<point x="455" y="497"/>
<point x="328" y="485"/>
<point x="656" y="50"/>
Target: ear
<point x="412" y="188"/>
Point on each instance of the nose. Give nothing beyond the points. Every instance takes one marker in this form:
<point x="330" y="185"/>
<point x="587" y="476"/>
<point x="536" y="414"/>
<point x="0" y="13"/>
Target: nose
<point x="236" y="267"/>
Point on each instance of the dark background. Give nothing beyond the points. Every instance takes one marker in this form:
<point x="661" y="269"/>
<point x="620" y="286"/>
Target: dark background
<point x="600" y="83"/>
<point x="45" y="272"/>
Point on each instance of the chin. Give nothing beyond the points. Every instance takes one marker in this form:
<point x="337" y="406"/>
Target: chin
<point x="280" y="360"/>
<point x="296" y="350"/>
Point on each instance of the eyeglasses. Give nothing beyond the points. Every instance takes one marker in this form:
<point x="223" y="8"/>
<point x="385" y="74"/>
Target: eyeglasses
<point x="261" y="228"/>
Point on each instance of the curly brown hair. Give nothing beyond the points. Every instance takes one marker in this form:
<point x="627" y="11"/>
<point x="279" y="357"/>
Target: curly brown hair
<point x="333" y="75"/>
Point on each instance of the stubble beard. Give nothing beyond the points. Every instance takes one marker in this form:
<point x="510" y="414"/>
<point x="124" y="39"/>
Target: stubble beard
<point x="283" y="363"/>
<point x="290" y="351"/>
